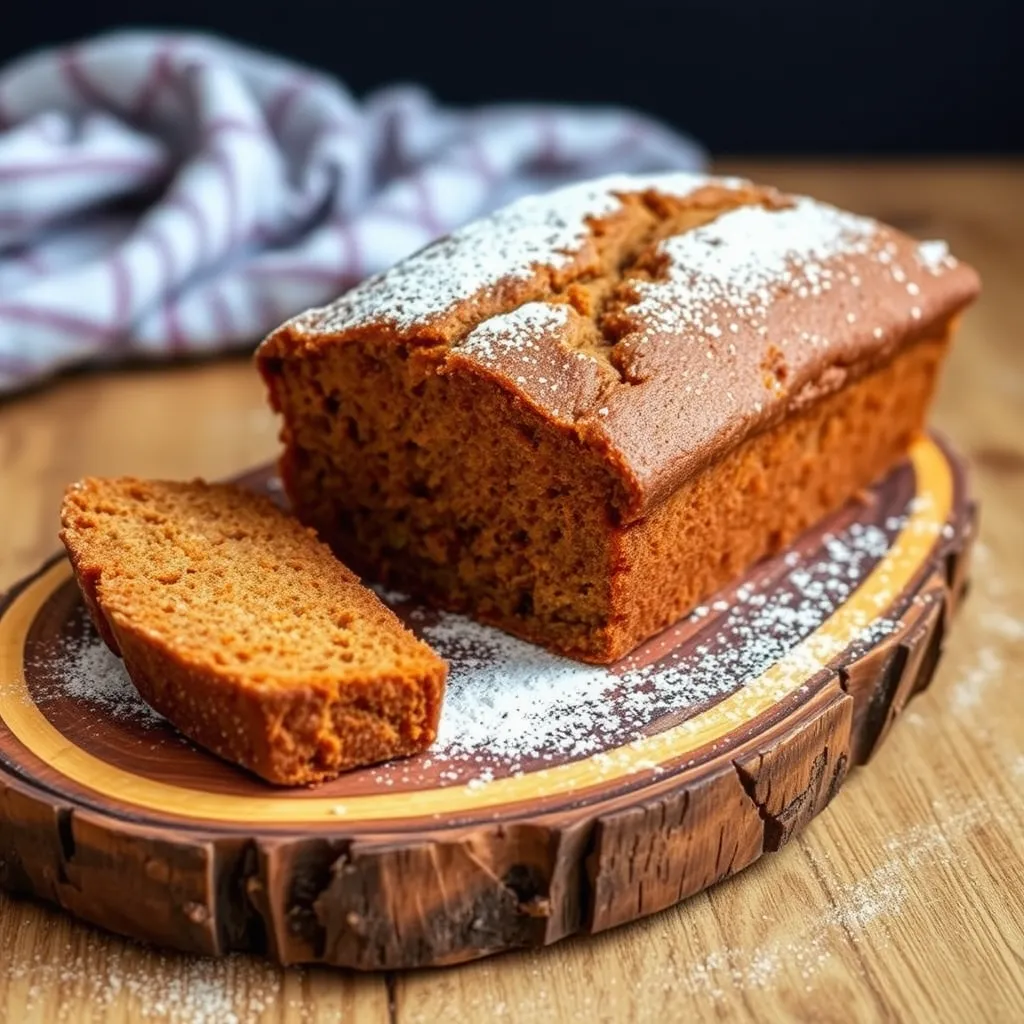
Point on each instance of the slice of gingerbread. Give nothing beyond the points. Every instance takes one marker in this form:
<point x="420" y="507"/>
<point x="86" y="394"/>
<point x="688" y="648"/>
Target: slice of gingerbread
<point x="245" y="632"/>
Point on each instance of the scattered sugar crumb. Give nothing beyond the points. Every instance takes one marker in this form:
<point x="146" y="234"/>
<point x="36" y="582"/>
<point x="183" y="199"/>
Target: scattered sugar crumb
<point x="86" y="670"/>
<point x="393" y="597"/>
<point x="514" y="332"/>
<point x="987" y="667"/>
<point x="868" y="900"/>
<point x="742" y="257"/>
<point x="510" y="705"/>
<point x="509" y="702"/>
<point x="988" y="664"/>
<point x="153" y="986"/>
<point x="934" y="256"/>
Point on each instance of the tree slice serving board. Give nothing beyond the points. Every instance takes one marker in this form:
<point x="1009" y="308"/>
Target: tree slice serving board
<point x="560" y="798"/>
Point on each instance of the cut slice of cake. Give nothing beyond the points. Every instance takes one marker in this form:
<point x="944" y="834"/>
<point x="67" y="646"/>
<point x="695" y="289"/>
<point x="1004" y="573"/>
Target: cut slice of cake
<point x="245" y="632"/>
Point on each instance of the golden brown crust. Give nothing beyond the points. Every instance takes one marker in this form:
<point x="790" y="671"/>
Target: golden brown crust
<point x="763" y="494"/>
<point x="675" y="316"/>
<point x="508" y="434"/>
<point x="243" y="630"/>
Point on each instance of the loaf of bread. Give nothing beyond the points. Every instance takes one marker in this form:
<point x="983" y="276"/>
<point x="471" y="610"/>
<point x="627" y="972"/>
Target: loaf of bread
<point x="245" y="632"/>
<point x="579" y="417"/>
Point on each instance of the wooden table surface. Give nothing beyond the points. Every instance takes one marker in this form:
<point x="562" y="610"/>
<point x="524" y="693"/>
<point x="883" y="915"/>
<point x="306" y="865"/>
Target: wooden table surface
<point x="903" y="901"/>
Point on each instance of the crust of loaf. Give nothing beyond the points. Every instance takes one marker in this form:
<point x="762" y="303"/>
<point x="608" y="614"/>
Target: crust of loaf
<point x="580" y="452"/>
<point x="133" y="545"/>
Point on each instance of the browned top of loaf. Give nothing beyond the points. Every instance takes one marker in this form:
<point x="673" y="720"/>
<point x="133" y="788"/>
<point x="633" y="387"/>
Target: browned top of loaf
<point x="662" y="319"/>
<point x="223" y="580"/>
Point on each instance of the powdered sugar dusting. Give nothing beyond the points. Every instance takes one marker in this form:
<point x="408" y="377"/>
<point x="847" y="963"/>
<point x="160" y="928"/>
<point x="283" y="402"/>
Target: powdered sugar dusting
<point x="1000" y="639"/>
<point x="514" y="331"/>
<point x="879" y="894"/>
<point x="987" y="673"/>
<point x="511" y="702"/>
<point x="986" y="668"/>
<point x="544" y="230"/>
<point x="511" y="706"/>
<point x="791" y="947"/>
<point x="138" y="984"/>
<point x="86" y="671"/>
<point x="743" y="259"/>
<point x="531" y="347"/>
<point x="982" y="671"/>
<point x="934" y="256"/>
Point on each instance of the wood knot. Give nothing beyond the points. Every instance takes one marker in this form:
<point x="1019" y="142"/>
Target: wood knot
<point x="158" y="870"/>
<point x="539" y="906"/>
<point x="196" y="912"/>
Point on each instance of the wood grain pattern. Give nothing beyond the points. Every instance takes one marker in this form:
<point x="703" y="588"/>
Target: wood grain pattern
<point x="215" y="861"/>
<point x="902" y="901"/>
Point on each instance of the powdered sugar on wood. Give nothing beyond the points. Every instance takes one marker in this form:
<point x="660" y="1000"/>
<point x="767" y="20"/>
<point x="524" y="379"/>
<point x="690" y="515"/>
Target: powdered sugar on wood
<point x="511" y="706"/>
<point x="509" y="702"/>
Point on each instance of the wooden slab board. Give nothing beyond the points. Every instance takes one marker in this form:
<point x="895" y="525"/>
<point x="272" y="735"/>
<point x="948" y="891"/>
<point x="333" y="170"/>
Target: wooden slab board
<point x="559" y="799"/>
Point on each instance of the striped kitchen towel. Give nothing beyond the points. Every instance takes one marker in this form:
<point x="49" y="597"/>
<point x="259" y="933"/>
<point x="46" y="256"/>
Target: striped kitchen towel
<point x="170" y="194"/>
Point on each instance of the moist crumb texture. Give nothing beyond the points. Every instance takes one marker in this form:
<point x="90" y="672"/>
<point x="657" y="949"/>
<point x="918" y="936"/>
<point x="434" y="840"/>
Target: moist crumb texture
<point x="578" y="417"/>
<point x="245" y="632"/>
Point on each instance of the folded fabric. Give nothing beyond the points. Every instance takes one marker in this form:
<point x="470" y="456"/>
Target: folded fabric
<point x="167" y="194"/>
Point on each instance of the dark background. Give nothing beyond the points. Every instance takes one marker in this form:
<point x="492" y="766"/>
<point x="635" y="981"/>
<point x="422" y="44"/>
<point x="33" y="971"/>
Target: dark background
<point x="744" y="76"/>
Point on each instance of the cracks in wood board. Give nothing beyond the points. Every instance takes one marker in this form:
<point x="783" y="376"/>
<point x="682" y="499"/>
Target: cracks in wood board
<point x="586" y="889"/>
<point x="749" y="785"/>
<point x="534" y="883"/>
<point x="240" y="924"/>
<point x="882" y="698"/>
<point x="66" y="842"/>
<point x="391" y="985"/>
<point x="718" y="852"/>
<point x="731" y="868"/>
<point x="779" y="826"/>
<point x="936" y="642"/>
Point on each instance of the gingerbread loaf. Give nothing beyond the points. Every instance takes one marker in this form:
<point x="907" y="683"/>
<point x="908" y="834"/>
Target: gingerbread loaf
<point x="245" y="632"/>
<point x="577" y="418"/>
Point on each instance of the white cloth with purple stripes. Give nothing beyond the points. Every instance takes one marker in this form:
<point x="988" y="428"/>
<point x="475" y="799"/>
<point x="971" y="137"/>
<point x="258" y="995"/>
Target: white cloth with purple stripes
<point x="170" y="194"/>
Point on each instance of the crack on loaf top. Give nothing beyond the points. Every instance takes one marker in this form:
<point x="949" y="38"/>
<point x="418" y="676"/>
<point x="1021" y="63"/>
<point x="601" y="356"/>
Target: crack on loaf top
<point x="710" y="288"/>
<point x="534" y="249"/>
<point x="660" y="318"/>
<point x="555" y="348"/>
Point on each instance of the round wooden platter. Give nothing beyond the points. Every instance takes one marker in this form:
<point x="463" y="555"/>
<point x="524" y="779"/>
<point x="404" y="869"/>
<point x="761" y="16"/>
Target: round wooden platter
<point x="560" y="798"/>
